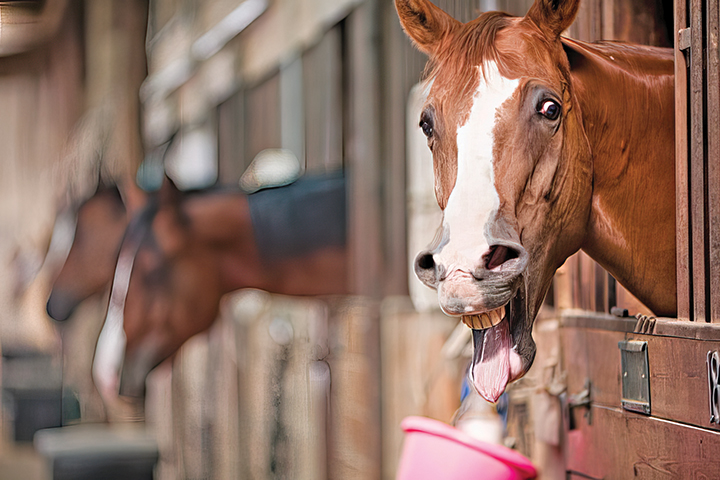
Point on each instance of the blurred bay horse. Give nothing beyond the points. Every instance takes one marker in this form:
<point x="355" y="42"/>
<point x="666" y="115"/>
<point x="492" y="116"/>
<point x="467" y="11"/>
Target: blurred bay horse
<point x="173" y="259"/>
<point x="542" y="145"/>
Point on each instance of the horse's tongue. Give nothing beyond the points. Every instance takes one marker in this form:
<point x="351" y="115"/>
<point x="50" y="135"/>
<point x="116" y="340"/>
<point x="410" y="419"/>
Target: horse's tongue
<point x="490" y="372"/>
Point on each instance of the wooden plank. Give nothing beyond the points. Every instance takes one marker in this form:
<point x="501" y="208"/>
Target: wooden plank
<point x="322" y="84"/>
<point x="640" y="21"/>
<point x="665" y="327"/>
<point x="582" y="319"/>
<point x="262" y="118"/>
<point x="698" y="185"/>
<point x="354" y="433"/>
<point x="601" y="290"/>
<point x="682" y="187"/>
<point x="574" y="357"/>
<point x="417" y="379"/>
<point x="678" y="372"/>
<point x="678" y="378"/>
<point x="362" y="152"/>
<point x="396" y="86"/>
<point x="625" y="299"/>
<point x="562" y="288"/>
<point x="621" y="444"/>
<point x="587" y="281"/>
<point x="713" y="155"/>
<point x="230" y="139"/>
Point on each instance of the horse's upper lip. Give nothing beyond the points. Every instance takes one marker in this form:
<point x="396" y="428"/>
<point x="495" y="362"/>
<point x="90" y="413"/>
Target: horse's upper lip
<point x="461" y="293"/>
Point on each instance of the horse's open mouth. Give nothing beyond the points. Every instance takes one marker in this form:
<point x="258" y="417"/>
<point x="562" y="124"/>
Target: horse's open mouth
<point x="496" y="361"/>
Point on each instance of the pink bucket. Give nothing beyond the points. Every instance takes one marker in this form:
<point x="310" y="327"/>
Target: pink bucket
<point x="434" y="450"/>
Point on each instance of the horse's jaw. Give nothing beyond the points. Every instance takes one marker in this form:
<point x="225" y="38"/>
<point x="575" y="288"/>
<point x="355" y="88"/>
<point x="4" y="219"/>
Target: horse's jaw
<point x="504" y="352"/>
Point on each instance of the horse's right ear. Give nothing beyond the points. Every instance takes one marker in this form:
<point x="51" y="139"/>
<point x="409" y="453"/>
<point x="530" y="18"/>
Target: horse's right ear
<point x="424" y="23"/>
<point x="553" y="16"/>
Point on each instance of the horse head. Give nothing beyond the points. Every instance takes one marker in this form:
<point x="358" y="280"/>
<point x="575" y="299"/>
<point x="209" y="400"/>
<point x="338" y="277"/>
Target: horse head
<point x="512" y="172"/>
<point x="173" y="291"/>
<point x="89" y="266"/>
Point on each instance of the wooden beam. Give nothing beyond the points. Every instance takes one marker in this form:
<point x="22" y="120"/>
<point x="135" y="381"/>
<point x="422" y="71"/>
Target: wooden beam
<point x="713" y="155"/>
<point x="362" y="151"/>
<point x="682" y="188"/>
<point x="698" y="186"/>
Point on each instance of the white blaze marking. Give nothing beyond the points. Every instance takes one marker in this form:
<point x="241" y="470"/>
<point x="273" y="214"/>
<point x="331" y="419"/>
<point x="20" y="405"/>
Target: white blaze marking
<point x="110" y="347"/>
<point x="474" y="197"/>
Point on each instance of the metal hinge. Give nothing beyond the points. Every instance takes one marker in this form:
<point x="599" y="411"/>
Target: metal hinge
<point x="582" y="399"/>
<point x="684" y="38"/>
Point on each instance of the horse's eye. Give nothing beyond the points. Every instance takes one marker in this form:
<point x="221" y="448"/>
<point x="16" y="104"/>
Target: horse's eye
<point x="549" y="109"/>
<point x="427" y="127"/>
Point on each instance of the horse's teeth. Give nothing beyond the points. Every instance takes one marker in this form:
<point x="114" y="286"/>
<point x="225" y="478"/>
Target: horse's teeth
<point x="495" y="317"/>
<point x="484" y="320"/>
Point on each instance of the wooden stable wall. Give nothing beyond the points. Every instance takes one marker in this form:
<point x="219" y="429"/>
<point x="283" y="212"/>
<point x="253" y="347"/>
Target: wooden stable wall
<point x="675" y="434"/>
<point x="697" y="121"/>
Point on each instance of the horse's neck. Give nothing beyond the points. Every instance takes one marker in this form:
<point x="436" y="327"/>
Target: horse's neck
<point x="221" y="224"/>
<point x="626" y="96"/>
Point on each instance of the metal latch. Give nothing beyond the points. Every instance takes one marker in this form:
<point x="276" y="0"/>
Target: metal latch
<point x="635" y="376"/>
<point x="582" y="399"/>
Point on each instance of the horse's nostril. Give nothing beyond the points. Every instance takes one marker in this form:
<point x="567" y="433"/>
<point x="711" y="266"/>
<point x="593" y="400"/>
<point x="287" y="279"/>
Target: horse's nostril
<point x="499" y="254"/>
<point x="426" y="261"/>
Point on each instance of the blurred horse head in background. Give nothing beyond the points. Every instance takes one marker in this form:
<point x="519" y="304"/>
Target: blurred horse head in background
<point x="99" y="230"/>
<point x="172" y="261"/>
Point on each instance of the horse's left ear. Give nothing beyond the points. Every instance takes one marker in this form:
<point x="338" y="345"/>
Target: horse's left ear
<point x="553" y="16"/>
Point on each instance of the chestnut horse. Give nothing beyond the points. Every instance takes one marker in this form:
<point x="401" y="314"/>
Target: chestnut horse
<point x="181" y="253"/>
<point x="101" y="222"/>
<point x="542" y="146"/>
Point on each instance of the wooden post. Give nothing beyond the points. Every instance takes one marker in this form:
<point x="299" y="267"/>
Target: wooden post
<point x="713" y="155"/>
<point x="362" y="151"/>
<point x="698" y="186"/>
<point x="682" y="187"/>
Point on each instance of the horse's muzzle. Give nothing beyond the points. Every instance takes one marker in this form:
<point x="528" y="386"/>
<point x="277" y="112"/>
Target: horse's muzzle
<point x="471" y="289"/>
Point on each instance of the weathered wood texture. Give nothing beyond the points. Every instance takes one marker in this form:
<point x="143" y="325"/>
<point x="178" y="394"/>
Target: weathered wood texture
<point x="262" y="118"/>
<point x="712" y="24"/>
<point x="323" y="102"/>
<point x="418" y="378"/>
<point x="280" y="387"/>
<point x="682" y="186"/>
<point x="362" y="151"/>
<point x="621" y="444"/>
<point x="679" y="398"/>
<point x="697" y="73"/>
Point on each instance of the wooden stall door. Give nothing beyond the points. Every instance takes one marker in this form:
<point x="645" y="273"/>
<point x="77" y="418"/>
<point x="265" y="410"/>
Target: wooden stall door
<point x="641" y="397"/>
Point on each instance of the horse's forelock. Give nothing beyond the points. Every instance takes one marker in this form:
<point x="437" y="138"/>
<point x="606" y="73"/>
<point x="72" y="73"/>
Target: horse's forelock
<point x="472" y="45"/>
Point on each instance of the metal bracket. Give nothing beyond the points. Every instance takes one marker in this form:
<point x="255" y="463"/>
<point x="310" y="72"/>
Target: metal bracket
<point x="684" y="38"/>
<point x="635" y="376"/>
<point x="713" y="367"/>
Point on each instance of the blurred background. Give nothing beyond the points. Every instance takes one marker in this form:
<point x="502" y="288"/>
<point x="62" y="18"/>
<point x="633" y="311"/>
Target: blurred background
<point x="92" y="93"/>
